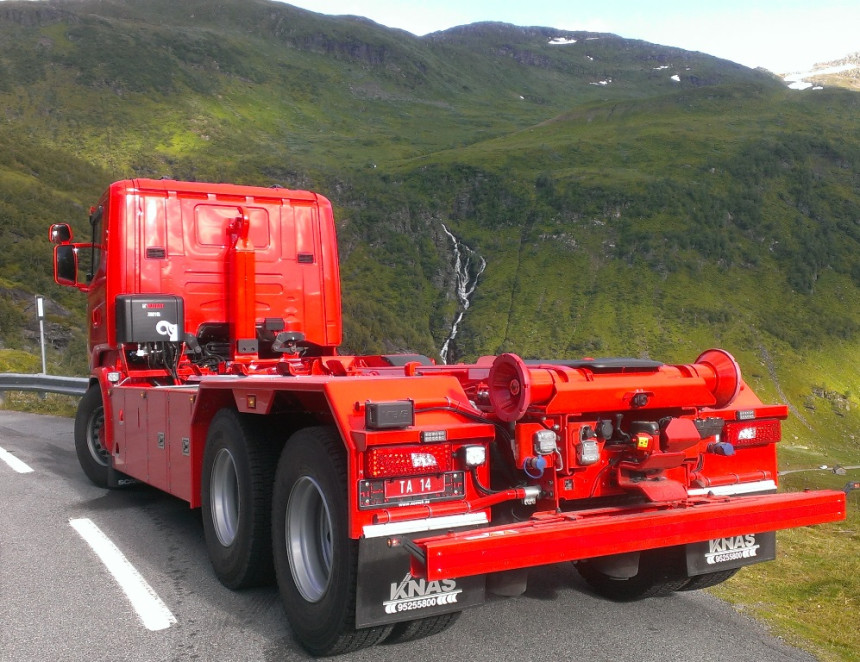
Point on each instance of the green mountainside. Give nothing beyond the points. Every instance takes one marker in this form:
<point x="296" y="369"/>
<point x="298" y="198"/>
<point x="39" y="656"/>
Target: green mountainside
<point x="628" y="198"/>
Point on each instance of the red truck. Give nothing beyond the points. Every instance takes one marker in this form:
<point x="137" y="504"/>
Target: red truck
<point x="385" y="494"/>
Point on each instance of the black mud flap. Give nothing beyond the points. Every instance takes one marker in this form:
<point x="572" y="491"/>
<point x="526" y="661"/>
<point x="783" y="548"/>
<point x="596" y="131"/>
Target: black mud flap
<point x="388" y="593"/>
<point x="117" y="479"/>
<point x="727" y="553"/>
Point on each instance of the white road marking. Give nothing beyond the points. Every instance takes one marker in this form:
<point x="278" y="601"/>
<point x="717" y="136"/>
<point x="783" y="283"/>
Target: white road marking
<point x="152" y="611"/>
<point x="14" y="462"/>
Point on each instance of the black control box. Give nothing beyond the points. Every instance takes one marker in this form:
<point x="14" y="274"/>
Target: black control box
<point x="144" y="318"/>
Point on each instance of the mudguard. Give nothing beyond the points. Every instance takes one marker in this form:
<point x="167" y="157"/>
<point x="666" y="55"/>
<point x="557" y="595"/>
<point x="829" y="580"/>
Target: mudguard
<point x="387" y="592"/>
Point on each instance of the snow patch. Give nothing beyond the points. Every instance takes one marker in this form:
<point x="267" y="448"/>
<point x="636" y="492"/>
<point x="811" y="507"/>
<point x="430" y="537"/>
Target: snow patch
<point x="820" y="72"/>
<point x="796" y="80"/>
<point x="602" y="82"/>
<point x="660" y="68"/>
<point x="676" y="78"/>
<point x="560" y="41"/>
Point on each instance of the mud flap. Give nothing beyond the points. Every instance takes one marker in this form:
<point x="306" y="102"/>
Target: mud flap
<point x="117" y="479"/>
<point x="388" y="593"/>
<point x="727" y="553"/>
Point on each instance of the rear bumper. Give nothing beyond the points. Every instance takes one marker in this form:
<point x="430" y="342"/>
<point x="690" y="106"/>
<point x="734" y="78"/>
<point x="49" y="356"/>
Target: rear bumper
<point x="553" y="538"/>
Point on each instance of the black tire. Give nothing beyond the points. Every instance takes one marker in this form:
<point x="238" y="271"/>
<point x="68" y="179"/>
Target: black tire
<point x="658" y="576"/>
<point x="236" y="499"/>
<point x="420" y="628"/>
<point x="89" y="433"/>
<point x="706" y="581"/>
<point x="316" y="561"/>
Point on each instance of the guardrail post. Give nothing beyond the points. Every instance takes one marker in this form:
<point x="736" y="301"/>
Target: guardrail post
<point x="40" y="313"/>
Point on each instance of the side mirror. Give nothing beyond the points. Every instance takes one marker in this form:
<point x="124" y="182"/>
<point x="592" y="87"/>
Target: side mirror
<point x="60" y="233"/>
<point x="66" y="266"/>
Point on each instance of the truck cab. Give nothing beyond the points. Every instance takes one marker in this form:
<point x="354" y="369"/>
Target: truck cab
<point x="234" y="255"/>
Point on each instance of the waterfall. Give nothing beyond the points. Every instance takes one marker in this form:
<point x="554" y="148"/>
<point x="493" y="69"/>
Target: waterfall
<point x="466" y="261"/>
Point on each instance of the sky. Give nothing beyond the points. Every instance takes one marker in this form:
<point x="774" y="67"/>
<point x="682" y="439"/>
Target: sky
<point x="782" y="36"/>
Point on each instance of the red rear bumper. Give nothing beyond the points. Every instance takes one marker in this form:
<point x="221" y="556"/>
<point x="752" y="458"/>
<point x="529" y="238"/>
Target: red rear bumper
<point x="572" y="536"/>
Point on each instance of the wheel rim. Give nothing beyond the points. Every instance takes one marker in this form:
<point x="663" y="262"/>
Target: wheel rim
<point x="309" y="539"/>
<point x="224" y="497"/>
<point x="95" y="429"/>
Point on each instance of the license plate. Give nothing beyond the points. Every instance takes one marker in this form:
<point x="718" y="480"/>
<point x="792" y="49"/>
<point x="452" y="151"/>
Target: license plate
<point x="398" y="488"/>
<point x="415" y="489"/>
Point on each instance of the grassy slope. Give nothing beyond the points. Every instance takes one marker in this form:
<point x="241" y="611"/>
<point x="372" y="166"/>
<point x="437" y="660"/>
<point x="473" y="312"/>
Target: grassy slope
<point x="809" y="595"/>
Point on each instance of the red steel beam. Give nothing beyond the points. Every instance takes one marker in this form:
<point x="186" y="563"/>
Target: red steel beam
<point x="574" y="536"/>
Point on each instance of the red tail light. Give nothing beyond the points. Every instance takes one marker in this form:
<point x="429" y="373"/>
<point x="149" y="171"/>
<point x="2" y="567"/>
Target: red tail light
<point x="741" y="434"/>
<point x="383" y="462"/>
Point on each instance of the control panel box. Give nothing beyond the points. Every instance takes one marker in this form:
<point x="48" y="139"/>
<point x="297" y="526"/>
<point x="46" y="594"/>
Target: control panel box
<point x="149" y="318"/>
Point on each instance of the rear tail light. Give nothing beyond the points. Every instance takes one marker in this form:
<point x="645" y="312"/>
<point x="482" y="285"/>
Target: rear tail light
<point x="742" y="434"/>
<point x="384" y="462"/>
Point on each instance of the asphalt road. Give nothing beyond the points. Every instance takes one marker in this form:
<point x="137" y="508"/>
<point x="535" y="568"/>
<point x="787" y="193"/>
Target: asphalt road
<point x="59" y="602"/>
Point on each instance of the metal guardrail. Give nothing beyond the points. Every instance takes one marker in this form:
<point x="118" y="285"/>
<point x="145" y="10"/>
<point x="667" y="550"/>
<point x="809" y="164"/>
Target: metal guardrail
<point x="10" y="381"/>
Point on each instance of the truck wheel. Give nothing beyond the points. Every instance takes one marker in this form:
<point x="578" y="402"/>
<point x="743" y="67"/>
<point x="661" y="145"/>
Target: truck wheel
<point x="420" y="628"/>
<point x="89" y="435"/>
<point x="708" y="580"/>
<point x="315" y="559"/>
<point x="236" y="497"/>
<point x="655" y="578"/>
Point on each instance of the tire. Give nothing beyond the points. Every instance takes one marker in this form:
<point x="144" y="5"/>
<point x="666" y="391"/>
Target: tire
<point x="236" y="498"/>
<point x="706" y="581"/>
<point x="315" y="559"/>
<point x="420" y="628"/>
<point x="89" y="433"/>
<point x="658" y="576"/>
